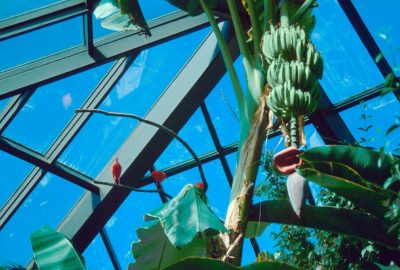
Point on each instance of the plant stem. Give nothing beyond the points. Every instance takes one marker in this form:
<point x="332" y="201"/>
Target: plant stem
<point x="293" y="131"/>
<point x="284" y="14"/>
<point x="256" y="29"/>
<point x="161" y="127"/>
<point x="133" y="189"/>
<point x="227" y="58"/>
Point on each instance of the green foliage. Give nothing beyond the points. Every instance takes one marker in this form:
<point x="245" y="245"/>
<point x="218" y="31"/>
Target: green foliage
<point x="52" y="251"/>
<point x="195" y="263"/>
<point x="154" y="251"/>
<point x="186" y="215"/>
<point x="121" y="15"/>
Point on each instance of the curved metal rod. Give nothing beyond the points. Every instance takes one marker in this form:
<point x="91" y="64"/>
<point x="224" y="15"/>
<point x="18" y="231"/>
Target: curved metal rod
<point x="167" y="130"/>
<point x="134" y="189"/>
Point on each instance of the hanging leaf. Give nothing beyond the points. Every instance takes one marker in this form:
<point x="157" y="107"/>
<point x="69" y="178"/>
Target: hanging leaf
<point x="345" y="182"/>
<point x="337" y="220"/>
<point x="53" y="251"/>
<point x="121" y="15"/>
<point x="362" y="160"/>
<point x="196" y="263"/>
<point x="154" y="251"/>
<point x="192" y="7"/>
<point x="186" y="215"/>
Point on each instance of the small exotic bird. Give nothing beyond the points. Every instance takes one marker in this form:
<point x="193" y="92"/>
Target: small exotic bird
<point x="158" y="176"/>
<point x="200" y="185"/>
<point x="116" y="171"/>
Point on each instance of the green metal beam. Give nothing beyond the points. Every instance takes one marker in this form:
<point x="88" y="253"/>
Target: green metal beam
<point x="58" y="146"/>
<point x="60" y="65"/>
<point x="42" y="17"/>
<point x="12" y="108"/>
<point x="146" y="143"/>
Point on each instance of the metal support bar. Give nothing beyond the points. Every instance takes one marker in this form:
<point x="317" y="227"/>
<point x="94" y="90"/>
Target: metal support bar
<point x="12" y="109"/>
<point x="62" y="141"/>
<point x="60" y="65"/>
<point x="217" y="143"/>
<point x="110" y="250"/>
<point x="39" y="18"/>
<point x="88" y="32"/>
<point x="146" y="143"/>
<point x="330" y="125"/>
<point x="44" y="163"/>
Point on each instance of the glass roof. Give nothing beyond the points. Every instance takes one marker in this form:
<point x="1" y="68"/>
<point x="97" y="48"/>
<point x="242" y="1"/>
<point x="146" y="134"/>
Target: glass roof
<point x="70" y="151"/>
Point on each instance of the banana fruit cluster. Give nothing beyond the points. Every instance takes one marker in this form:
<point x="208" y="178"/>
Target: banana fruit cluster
<point x="295" y="66"/>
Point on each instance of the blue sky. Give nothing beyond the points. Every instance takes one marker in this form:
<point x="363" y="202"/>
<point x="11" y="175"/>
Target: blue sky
<point x="348" y="70"/>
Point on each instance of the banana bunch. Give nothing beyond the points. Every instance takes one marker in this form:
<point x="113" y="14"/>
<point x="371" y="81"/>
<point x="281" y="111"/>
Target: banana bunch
<point x="295" y="66"/>
<point x="286" y="100"/>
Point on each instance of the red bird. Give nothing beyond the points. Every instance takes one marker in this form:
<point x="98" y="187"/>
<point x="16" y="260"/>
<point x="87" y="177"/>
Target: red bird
<point x="200" y="185"/>
<point x="158" y="176"/>
<point x="116" y="171"/>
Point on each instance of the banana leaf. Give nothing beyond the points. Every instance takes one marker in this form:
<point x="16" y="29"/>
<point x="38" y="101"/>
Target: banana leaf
<point x="192" y="7"/>
<point x="337" y="220"/>
<point x="255" y="229"/>
<point x="121" y="15"/>
<point x="373" y="166"/>
<point x="154" y="251"/>
<point x="195" y="263"/>
<point x="186" y="215"/>
<point x="346" y="182"/>
<point x="53" y="251"/>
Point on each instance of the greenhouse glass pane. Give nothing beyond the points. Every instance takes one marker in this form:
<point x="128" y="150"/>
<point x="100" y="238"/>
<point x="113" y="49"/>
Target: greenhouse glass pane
<point x="381" y="19"/>
<point x="50" y="108"/>
<point x="135" y="93"/>
<point x="222" y="105"/>
<point x="348" y="68"/>
<point x="121" y="227"/>
<point x="248" y="256"/>
<point x="11" y="8"/>
<point x="41" y="42"/>
<point x="196" y="134"/>
<point x="155" y="8"/>
<point x="47" y="205"/>
<point x="3" y="103"/>
<point x="96" y="256"/>
<point x="370" y="121"/>
<point x="11" y="178"/>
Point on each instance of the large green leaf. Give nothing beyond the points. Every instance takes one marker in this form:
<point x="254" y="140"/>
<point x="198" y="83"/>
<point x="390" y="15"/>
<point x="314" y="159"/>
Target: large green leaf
<point x="186" y="215"/>
<point x="346" y="182"/>
<point x="212" y="264"/>
<point x="255" y="229"/>
<point x="193" y="7"/>
<point x="337" y="220"/>
<point x="53" y="251"/>
<point x="373" y="166"/>
<point x="154" y="251"/>
<point x="121" y="15"/>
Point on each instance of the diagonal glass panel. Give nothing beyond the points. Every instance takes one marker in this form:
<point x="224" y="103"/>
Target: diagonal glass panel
<point x="47" y="205"/>
<point x="3" y="103"/>
<point x="11" y="8"/>
<point x="121" y="227"/>
<point x="96" y="256"/>
<point x="135" y="93"/>
<point x="348" y="68"/>
<point x="40" y="43"/>
<point x="382" y="22"/>
<point x="223" y="108"/>
<point x="11" y="178"/>
<point x="155" y="8"/>
<point x="369" y="122"/>
<point x="196" y="134"/>
<point x="51" y="107"/>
